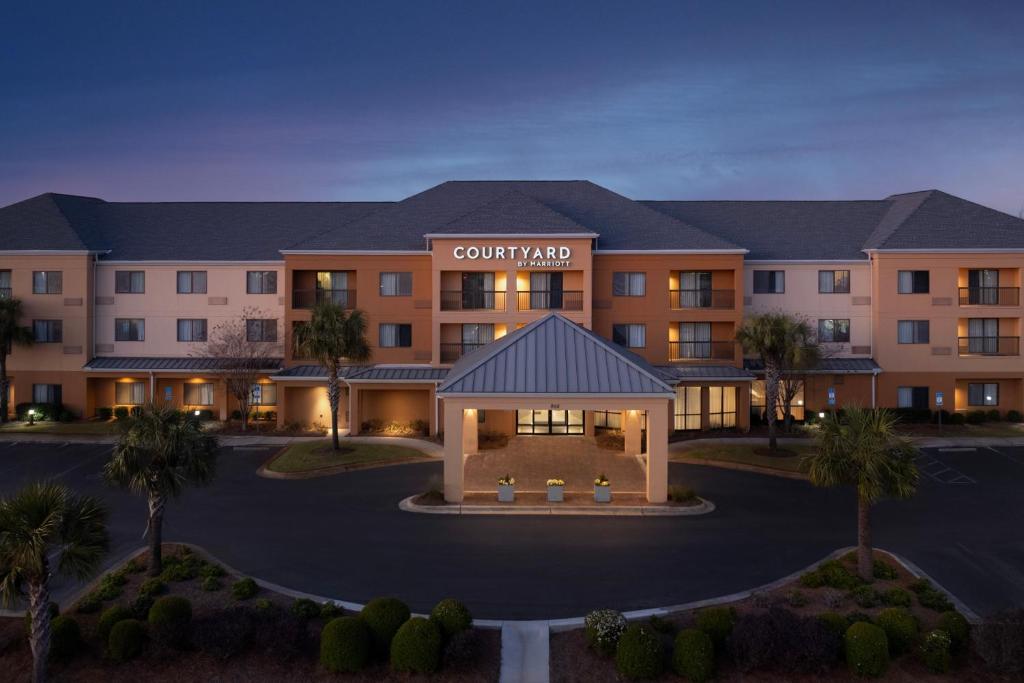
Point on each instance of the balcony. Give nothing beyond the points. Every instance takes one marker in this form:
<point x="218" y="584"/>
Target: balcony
<point x="701" y="350"/>
<point x="5" y="292"/>
<point x="550" y="300"/>
<point x="308" y="298"/>
<point x="990" y="296"/>
<point x="703" y="298"/>
<point x="988" y="346"/>
<point x="472" y="300"/>
<point x="451" y="352"/>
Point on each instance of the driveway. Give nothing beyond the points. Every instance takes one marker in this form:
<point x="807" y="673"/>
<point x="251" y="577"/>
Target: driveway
<point x="344" y="537"/>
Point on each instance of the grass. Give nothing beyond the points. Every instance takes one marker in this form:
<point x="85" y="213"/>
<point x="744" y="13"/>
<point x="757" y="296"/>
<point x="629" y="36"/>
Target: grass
<point x="748" y="454"/>
<point x="984" y="430"/>
<point x="98" y="427"/>
<point x="314" y="455"/>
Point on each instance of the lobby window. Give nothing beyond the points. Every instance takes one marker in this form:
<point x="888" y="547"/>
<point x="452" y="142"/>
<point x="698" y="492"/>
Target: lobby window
<point x="48" y="331"/>
<point x="130" y="393"/>
<point x="191" y="329"/>
<point x="130" y="281"/>
<point x="759" y="400"/>
<point x="912" y="282"/>
<point x="983" y="394"/>
<point x="129" y="329"/>
<point x="912" y="332"/>
<point x="47" y="282"/>
<point x="392" y="335"/>
<point x="912" y="397"/>
<point x="46" y="393"/>
<point x="261" y="282"/>
<point x="632" y="336"/>
<point x="833" y="330"/>
<point x="721" y="407"/>
<point x="694" y="340"/>
<point x="833" y="282"/>
<point x="5" y="284"/>
<point x="191" y="282"/>
<point x="199" y="394"/>
<point x="629" y="284"/>
<point x="261" y="330"/>
<point x="607" y="419"/>
<point x="263" y="395"/>
<point x="687" y="408"/>
<point x="769" y="281"/>
<point x="396" y="284"/>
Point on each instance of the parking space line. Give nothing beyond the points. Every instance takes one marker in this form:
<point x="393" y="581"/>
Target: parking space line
<point x="937" y="470"/>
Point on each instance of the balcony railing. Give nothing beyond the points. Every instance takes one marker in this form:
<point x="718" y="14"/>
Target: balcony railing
<point x="308" y="298"/>
<point x="472" y="300"/>
<point x="701" y="350"/>
<point x="451" y="352"/>
<point x="550" y="300"/>
<point x="989" y="346"/>
<point x="5" y="292"/>
<point x="703" y="298"/>
<point x="990" y="296"/>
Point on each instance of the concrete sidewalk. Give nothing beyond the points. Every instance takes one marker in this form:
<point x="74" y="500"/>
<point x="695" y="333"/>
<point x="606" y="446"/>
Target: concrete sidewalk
<point x="920" y="441"/>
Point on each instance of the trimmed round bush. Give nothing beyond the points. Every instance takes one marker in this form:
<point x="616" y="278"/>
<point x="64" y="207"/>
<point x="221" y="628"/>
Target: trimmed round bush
<point x="170" y="618"/>
<point x="416" y="647"/>
<point x="936" y="651"/>
<point x="603" y="628"/>
<point x="867" y="650"/>
<point x="111" y="616"/>
<point x="244" y="589"/>
<point x="451" y="616"/>
<point x="345" y="645"/>
<point x="65" y="638"/>
<point x="959" y="630"/>
<point x="384" y="616"/>
<point x="900" y="628"/>
<point x="639" y="653"/>
<point x="126" y="640"/>
<point x="717" y="622"/>
<point x="693" y="656"/>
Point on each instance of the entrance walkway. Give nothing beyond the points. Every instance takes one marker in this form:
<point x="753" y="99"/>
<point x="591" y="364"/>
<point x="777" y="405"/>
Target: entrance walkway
<point x="532" y="460"/>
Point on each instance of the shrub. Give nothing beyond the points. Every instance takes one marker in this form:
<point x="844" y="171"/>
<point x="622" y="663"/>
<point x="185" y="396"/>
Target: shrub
<point x="603" y="628"/>
<point x="976" y="417"/>
<point x="89" y="604"/>
<point x="717" y="622"/>
<point x="176" y="572"/>
<point x="451" y="616"/>
<point x="836" y="622"/>
<point x="345" y="645"/>
<point x="263" y="605"/>
<point x="1014" y="416"/>
<point x="105" y="413"/>
<point x="693" y="656"/>
<point x="661" y="625"/>
<point x="111" y="586"/>
<point x="211" y="570"/>
<point x="832" y="574"/>
<point x="304" y="608"/>
<point x="999" y="641"/>
<point x="796" y="598"/>
<point x="384" y="616"/>
<point x="152" y="587"/>
<point x="781" y="639"/>
<point x="935" y="651"/>
<point x="121" y="412"/>
<point x="236" y="414"/>
<point x="959" y="630"/>
<point x="65" y="638"/>
<point x="170" y="618"/>
<point x="461" y="650"/>
<point x="682" y="494"/>
<point x="881" y="569"/>
<point x="957" y="419"/>
<point x="243" y="589"/>
<point x="900" y="628"/>
<point x="44" y="411"/>
<point x="920" y="585"/>
<point x="865" y="596"/>
<point x="329" y="610"/>
<point x="416" y="647"/>
<point x="867" y="651"/>
<point x="140" y="606"/>
<point x="639" y="653"/>
<point x="126" y="640"/>
<point x="993" y="415"/>
<point x="935" y="600"/>
<point x="211" y="583"/>
<point x="111" y="616"/>
<point x="897" y="597"/>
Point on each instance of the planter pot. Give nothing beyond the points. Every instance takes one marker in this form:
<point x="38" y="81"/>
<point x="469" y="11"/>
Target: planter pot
<point x="556" y="494"/>
<point x="602" y="494"/>
<point x="506" y="494"/>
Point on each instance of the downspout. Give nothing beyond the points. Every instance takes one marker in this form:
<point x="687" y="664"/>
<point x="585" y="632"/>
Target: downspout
<point x="874" y="387"/>
<point x="348" y="390"/>
<point x="152" y="387"/>
<point x="437" y="409"/>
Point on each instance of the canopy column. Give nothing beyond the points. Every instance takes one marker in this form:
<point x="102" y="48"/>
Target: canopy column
<point x="460" y="441"/>
<point x="631" y="426"/>
<point x="657" y="453"/>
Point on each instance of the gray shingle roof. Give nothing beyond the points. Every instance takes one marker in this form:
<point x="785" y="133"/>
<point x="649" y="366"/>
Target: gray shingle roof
<point x="679" y="373"/>
<point x="936" y="220"/>
<point x="827" y="366"/>
<point x="147" y="363"/>
<point x="549" y="356"/>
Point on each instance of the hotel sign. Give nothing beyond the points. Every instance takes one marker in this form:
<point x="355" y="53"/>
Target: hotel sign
<point x="524" y="256"/>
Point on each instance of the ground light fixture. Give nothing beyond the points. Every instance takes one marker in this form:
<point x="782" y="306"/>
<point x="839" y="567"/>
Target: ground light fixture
<point x="196" y="413"/>
<point x="821" y="415"/>
<point x="31" y="416"/>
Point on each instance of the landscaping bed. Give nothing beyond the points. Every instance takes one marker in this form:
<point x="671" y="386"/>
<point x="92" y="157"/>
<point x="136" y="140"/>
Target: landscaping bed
<point x="75" y="428"/>
<point x="789" y="458"/>
<point x="312" y="456"/>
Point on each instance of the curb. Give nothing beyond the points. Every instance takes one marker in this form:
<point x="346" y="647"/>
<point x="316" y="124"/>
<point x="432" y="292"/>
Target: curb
<point x="706" y="507"/>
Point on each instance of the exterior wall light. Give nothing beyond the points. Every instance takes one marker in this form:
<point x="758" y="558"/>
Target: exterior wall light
<point x="197" y="413"/>
<point x="821" y="415"/>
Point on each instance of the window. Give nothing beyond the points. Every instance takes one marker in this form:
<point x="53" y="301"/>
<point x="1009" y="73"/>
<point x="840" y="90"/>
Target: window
<point x="5" y="284"/>
<point x="130" y="281"/>
<point x="191" y="282"/>
<point x="986" y="394"/>
<point x="261" y="330"/>
<point x="833" y="282"/>
<point x="721" y="407"/>
<point x="199" y="394"/>
<point x="695" y="289"/>
<point x="631" y="336"/>
<point x="983" y="287"/>
<point x="983" y="335"/>
<point x="912" y="282"/>
<point x="261" y="282"/>
<point x="396" y="284"/>
<point x="47" y="282"/>
<point x="46" y="393"/>
<point x="833" y="331"/>
<point x="687" y="408"/>
<point x="129" y="329"/>
<point x="608" y="419"/>
<point x="130" y="393"/>
<point x="47" y="331"/>
<point x="395" y="334"/>
<point x="759" y="401"/>
<point x="263" y="395"/>
<point x="912" y="397"/>
<point x="629" y="284"/>
<point x="912" y="331"/>
<point x="694" y="340"/>
<point x="769" y="281"/>
<point x="192" y="330"/>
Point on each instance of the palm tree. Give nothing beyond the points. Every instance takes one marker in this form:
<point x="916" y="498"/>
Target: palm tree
<point x="161" y="451"/>
<point x="11" y="333"/>
<point x="781" y="341"/>
<point x="331" y="337"/>
<point x="43" y="527"/>
<point x="862" y="449"/>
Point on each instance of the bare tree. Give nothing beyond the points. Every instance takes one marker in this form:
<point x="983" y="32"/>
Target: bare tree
<point x="244" y="350"/>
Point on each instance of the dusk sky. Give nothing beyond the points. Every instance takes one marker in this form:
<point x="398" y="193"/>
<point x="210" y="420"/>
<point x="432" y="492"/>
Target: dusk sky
<point x="377" y="100"/>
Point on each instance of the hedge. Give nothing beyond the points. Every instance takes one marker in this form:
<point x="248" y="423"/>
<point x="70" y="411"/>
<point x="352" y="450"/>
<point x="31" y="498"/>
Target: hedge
<point x="693" y="656"/>
<point x="111" y="616"/>
<point x="867" y="650"/>
<point x="126" y="640"/>
<point x="717" y="622"/>
<point x="639" y="653"/>
<point x="900" y="628"/>
<point x="959" y="630"/>
<point x="345" y="645"/>
<point x="416" y="647"/>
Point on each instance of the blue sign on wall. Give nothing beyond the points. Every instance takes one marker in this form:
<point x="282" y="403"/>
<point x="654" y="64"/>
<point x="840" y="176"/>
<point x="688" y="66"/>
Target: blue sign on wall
<point x="168" y="394"/>
<point x="831" y="396"/>
<point x="938" y="399"/>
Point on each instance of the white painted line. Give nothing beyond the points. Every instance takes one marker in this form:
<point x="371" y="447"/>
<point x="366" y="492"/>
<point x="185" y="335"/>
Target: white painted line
<point x="957" y="450"/>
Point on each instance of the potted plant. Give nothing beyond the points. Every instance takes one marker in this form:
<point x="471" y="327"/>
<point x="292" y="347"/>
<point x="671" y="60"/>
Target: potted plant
<point x="506" y="489"/>
<point x="556" y="490"/>
<point x="602" y="489"/>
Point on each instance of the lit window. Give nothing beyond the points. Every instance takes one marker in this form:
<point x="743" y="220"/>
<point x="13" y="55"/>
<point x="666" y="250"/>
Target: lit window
<point x="983" y="394"/>
<point x="199" y="394"/>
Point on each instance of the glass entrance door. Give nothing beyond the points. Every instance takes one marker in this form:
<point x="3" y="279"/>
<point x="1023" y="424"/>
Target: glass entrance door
<point x="555" y="422"/>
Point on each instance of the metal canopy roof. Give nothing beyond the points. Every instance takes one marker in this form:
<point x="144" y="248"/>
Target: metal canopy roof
<point x="827" y="366"/>
<point x="148" y="363"/>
